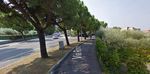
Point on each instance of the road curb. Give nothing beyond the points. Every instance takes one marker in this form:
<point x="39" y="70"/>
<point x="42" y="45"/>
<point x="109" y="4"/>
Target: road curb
<point x="52" y="70"/>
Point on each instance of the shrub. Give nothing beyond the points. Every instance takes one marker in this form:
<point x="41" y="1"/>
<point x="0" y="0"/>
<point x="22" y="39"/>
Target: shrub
<point x="147" y="35"/>
<point x="129" y="49"/>
<point x="8" y="31"/>
<point x="136" y="65"/>
<point x="144" y="43"/>
<point x="110" y="59"/>
<point x="32" y="32"/>
<point x="134" y="34"/>
<point x="100" y="33"/>
<point x="114" y="38"/>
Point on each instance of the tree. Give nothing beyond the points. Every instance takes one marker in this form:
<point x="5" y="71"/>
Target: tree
<point x="66" y="10"/>
<point x="16" y="22"/>
<point x="84" y="16"/>
<point x="77" y="19"/>
<point x="115" y="27"/>
<point x="38" y="12"/>
<point x="104" y="24"/>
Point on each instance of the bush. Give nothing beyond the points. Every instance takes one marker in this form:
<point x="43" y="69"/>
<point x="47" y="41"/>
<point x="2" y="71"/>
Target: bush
<point x="110" y="59"/>
<point x="136" y="65"/>
<point x="9" y="37"/>
<point x="32" y="32"/>
<point x="100" y="33"/>
<point x="147" y="35"/>
<point x="8" y="31"/>
<point x="134" y="34"/>
<point x="114" y="38"/>
<point x="123" y="49"/>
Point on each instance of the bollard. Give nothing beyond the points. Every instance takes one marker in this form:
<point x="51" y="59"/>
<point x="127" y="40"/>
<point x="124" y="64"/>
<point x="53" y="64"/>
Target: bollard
<point x="61" y="45"/>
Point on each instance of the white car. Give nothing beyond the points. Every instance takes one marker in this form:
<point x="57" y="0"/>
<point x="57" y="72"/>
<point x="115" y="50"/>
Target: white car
<point x="55" y="36"/>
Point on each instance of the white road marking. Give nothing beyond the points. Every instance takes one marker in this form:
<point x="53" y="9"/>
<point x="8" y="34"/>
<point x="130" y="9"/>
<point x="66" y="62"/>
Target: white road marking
<point x="77" y="54"/>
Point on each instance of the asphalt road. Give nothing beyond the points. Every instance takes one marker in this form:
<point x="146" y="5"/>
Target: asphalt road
<point x="12" y="52"/>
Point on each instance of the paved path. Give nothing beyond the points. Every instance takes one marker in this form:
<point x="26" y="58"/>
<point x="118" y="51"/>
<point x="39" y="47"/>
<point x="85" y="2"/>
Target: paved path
<point x="82" y="60"/>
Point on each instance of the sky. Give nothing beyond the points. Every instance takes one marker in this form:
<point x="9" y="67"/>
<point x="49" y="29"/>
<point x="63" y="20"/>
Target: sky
<point x="121" y="13"/>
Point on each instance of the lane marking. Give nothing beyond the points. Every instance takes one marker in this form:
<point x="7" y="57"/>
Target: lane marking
<point x="77" y="54"/>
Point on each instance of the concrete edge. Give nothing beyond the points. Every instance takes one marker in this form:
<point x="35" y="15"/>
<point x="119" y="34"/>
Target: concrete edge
<point x="62" y="59"/>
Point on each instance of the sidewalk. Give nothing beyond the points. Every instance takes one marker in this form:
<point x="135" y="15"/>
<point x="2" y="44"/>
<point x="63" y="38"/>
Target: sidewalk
<point x="82" y="60"/>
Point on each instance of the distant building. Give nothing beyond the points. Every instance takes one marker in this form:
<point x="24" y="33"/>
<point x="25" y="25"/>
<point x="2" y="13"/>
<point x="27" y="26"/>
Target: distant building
<point x="147" y="31"/>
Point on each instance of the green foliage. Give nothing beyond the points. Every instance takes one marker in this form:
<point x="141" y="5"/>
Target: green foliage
<point x="73" y="33"/>
<point x="32" y="32"/>
<point x="101" y="48"/>
<point x="136" y="65"/>
<point x="8" y="31"/>
<point x="16" y="22"/>
<point x="134" y="34"/>
<point x="109" y="58"/>
<point x="26" y="14"/>
<point x="10" y="37"/>
<point x="130" y="48"/>
<point x="50" y="30"/>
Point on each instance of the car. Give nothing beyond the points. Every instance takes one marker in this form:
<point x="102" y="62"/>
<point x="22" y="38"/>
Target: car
<point x="83" y="35"/>
<point x="55" y="36"/>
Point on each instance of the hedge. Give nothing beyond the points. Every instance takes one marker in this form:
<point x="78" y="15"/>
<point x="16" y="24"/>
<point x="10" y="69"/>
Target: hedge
<point x="9" y="37"/>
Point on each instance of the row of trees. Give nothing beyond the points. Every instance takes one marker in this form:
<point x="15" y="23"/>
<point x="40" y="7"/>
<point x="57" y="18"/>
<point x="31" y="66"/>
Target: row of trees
<point x="66" y="14"/>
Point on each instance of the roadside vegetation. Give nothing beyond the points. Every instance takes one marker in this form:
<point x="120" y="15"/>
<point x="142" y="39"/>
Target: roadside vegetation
<point x="11" y="34"/>
<point x="123" y="52"/>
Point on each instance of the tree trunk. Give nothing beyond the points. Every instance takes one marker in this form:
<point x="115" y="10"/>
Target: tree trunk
<point x="43" y="50"/>
<point x="78" y="37"/>
<point x="85" y="34"/>
<point x="90" y="36"/>
<point x="85" y="37"/>
<point x="22" y="35"/>
<point x="66" y="36"/>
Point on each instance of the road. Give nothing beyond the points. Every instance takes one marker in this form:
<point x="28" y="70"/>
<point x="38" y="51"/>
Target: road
<point x="12" y="52"/>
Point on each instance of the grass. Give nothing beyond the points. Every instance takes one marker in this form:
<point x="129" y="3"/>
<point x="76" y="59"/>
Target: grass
<point x="33" y="64"/>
